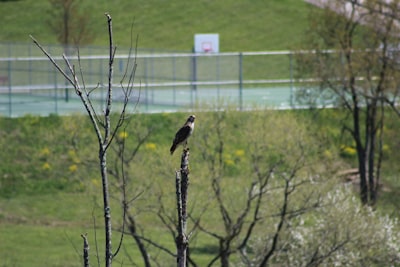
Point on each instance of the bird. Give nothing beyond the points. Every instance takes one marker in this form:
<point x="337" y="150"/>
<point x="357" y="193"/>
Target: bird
<point x="183" y="134"/>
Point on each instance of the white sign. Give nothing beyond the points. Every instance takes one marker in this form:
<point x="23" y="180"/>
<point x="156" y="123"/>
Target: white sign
<point x="206" y="43"/>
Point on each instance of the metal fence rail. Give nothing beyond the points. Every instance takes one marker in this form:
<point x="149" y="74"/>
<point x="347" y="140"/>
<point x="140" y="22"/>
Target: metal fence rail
<point x="29" y="84"/>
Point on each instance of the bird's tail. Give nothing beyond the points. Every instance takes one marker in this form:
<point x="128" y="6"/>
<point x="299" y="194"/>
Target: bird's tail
<point x="172" y="149"/>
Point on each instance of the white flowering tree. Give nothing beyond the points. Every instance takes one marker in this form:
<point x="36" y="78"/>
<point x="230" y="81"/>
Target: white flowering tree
<point x="340" y="233"/>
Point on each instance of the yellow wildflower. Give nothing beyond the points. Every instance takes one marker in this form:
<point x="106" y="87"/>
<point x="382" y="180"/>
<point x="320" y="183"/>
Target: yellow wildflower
<point x="72" y="155"/>
<point x="328" y="154"/>
<point x="44" y="152"/>
<point x="385" y="148"/>
<point x="348" y="151"/>
<point x="95" y="182"/>
<point x="46" y="166"/>
<point x="150" y="146"/>
<point x="229" y="162"/>
<point x="123" y="135"/>
<point x="73" y="168"/>
<point x="239" y="153"/>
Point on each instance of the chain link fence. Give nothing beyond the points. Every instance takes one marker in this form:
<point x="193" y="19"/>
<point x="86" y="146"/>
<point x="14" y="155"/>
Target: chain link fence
<point x="165" y="81"/>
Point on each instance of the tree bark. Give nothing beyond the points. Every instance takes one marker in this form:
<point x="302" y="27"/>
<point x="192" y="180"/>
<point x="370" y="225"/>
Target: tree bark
<point x="106" y="206"/>
<point x="103" y="152"/>
<point x="85" y="251"/>
<point x="182" y="183"/>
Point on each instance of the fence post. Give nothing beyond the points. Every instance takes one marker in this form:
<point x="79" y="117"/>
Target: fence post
<point x="218" y="77"/>
<point x="194" y="70"/>
<point x="146" y="82"/>
<point x="241" y="81"/>
<point x="174" y="79"/>
<point x="68" y="53"/>
<point x="30" y="68"/>
<point x="152" y="77"/>
<point x="9" y="83"/>
<point x="194" y="78"/>
<point x="55" y="92"/>
<point x="291" y="79"/>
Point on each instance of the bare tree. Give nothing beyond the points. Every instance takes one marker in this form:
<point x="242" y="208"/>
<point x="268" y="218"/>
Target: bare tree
<point x="355" y="59"/>
<point x="70" y="23"/>
<point x="103" y="127"/>
<point x="270" y="179"/>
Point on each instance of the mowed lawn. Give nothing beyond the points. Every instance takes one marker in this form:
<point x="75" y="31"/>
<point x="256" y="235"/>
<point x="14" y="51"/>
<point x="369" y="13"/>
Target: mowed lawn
<point x="169" y="25"/>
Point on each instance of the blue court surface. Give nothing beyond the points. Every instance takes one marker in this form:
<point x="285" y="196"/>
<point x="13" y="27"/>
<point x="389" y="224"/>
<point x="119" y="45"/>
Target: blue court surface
<point x="43" y="103"/>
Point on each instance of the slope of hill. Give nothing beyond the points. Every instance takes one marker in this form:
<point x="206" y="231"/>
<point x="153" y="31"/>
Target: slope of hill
<point x="243" y="26"/>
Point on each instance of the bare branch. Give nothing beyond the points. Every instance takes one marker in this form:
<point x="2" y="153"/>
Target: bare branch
<point x="52" y="60"/>
<point x="138" y="240"/>
<point x="279" y="227"/>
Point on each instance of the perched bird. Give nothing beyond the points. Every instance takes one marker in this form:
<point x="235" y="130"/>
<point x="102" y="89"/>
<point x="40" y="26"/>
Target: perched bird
<point x="183" y="134"/>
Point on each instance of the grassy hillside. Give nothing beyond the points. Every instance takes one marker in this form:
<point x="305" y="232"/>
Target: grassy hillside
<point x="49" y="180"/>
<point x="50" y="188"/>
<point x="243" y="26"/>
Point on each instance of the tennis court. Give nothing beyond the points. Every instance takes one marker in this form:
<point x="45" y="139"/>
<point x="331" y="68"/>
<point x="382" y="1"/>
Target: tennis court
<point x="146" y="100"/>
<point x="168" y="82"/>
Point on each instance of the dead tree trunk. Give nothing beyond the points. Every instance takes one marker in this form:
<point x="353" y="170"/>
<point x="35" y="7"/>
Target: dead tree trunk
<point x="182" y="183"/>
<point x="85" y="251"/>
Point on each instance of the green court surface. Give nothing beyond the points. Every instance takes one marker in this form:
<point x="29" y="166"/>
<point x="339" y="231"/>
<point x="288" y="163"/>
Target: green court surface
<point x="147" y="100"/>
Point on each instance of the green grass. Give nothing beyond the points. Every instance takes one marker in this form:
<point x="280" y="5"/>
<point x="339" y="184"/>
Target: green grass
<point x="45" y="204"/>
<point x="243" y="26"/>
<point x="47" y="246"/>
<point x="46" y="230"/>
<point x="37" y="210"/>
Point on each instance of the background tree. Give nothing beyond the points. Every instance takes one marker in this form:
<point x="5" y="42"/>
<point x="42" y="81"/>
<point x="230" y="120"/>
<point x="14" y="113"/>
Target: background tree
<point x="70" y="23"/>
<point x="354" y="61"/>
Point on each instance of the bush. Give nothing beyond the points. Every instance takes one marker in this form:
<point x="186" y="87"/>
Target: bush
<point x="340" y="233"/>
